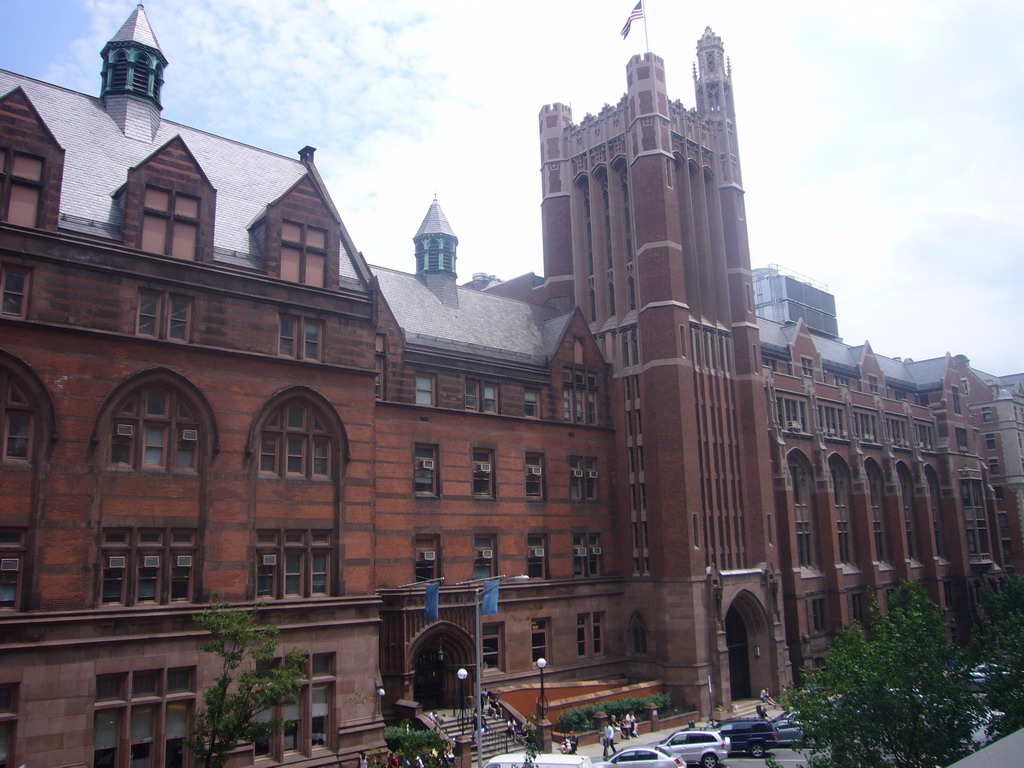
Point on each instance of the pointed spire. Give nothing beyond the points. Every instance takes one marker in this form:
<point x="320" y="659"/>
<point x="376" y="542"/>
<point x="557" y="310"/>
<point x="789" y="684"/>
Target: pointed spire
<point x="136" y="29"/>
<point x="435" y="222"/>
<point x="435" y="253"/>
<point x="132" y="76"/>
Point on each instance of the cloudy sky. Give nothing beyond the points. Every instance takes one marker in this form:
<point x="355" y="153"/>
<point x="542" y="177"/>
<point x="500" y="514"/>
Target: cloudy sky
<point x="881" y="142"/>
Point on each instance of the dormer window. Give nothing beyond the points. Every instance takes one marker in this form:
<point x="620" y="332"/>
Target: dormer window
<point x="303" y="254"/>
<point x="170" y="223"/>
<point x="21" y="181"/>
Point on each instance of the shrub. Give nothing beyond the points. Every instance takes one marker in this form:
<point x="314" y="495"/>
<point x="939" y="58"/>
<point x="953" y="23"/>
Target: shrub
<point x="579" y="718"/>
<point x="409" y="742"/>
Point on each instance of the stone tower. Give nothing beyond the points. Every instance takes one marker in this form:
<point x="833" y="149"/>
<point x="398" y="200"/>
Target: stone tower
<point x="643" y="226"/>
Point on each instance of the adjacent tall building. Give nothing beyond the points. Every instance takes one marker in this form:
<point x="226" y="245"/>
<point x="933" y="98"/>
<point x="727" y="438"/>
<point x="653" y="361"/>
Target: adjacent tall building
<point x="207" y="391"/>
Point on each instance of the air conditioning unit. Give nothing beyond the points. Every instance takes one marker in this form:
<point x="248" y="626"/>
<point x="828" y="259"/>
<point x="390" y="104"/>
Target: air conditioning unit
<point x="794" y="426"/>
<point x="579" y="551"/>
<point x="270" y="559"/>
<point x="843" y="434"/>
<point x="830" y="431"/>
<point x="576" y="472"/>
<point x="116" y="562"/>
<point x="191" y="435"/>
<point x="125" y="430"/>
<point x="595" y="550"/>
<point x="538" y="552"/>
<point x="184" y="561"/>
<point x="591" y="473"/>
<point x="11" y="563"/>
<point x="485" y="554"/>
<point x="151" y="561"/>
<point x="483" y="467"/>
<point x="428" y="555"/>
<point x="534" y="471"/>
<point x="425" y="464"/>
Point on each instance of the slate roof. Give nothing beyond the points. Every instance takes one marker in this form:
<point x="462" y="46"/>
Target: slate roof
<point x="435" y="222"/>
<point x="482" y="323"/>
<point x="920" y="374"/>
<point x="136" y="29"/>
<point x="246" y="178"/>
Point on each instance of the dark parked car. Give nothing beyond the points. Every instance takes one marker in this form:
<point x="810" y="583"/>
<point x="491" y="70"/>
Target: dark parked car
<point x="789" y="732"/>
<point x="748" y="735"/>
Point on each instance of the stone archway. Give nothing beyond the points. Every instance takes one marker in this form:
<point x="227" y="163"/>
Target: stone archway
<point x="428" y="678"/>
<point x="738" y="648"/>
<point x="747" y="634"/>
<point x="433" y="660"/>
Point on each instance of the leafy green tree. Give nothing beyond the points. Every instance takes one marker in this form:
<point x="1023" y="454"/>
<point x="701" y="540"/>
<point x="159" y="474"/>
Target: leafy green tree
<point x="252" y="681"/>
<point x="898" y="696"/>
<point x="1002" y="643"/>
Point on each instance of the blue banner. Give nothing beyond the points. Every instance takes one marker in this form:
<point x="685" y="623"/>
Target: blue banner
<point x="433" y="590"/>
<point x="489" y="602"/>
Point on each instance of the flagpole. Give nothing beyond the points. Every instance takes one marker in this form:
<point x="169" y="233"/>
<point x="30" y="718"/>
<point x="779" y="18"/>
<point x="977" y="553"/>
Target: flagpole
<point x="647" y="43"/>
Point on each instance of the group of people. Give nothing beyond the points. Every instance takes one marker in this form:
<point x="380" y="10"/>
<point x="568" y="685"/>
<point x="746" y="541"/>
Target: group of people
<point x="388" y="759"/>
<point x="624" y="728"/>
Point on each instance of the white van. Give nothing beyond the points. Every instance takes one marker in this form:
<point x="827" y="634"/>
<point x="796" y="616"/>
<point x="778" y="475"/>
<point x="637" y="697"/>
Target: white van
<point x="542" y="760"/>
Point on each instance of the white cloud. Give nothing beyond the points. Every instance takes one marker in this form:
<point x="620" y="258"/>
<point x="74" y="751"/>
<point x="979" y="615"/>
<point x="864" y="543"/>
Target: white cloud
<point x="880" y="142"/>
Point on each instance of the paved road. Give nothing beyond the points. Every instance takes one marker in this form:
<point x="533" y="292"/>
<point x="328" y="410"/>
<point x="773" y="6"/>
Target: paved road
<point x="787" y="757"/>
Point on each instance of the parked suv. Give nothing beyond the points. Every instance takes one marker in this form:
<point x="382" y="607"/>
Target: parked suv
<point x="748" y="735"/>
<point x="705" y="748"/>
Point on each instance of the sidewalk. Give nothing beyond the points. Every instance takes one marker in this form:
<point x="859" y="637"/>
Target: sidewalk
<point x="595" y="751"/>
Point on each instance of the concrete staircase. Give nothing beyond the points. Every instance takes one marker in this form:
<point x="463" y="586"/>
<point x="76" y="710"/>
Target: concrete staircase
<point x="495" y="739"/>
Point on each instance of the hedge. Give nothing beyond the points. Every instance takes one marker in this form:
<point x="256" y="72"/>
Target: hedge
<point x="579" y="718"/>
<point x="409" y="742"/>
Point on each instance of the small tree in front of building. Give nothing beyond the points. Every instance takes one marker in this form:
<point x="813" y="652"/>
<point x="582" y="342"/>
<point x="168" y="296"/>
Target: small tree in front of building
<point x="896" y="694"/>
<point x="252" y="681"/>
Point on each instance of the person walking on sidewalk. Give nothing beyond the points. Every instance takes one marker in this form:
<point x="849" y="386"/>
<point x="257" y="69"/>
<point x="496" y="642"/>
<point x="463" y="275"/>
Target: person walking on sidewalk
<point x="609" y="739"/>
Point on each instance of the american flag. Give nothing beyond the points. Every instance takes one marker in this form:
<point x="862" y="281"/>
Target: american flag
<point x="636" y="13"/>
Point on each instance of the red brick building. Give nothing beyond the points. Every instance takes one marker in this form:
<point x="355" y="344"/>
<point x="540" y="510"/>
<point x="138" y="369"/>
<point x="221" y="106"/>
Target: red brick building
<point x="207" y="391"/>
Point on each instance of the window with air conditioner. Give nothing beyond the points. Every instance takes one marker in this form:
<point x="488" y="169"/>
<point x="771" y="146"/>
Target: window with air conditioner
<point x="485" y="562"/>
<point x="293" y="562"/>
<point x="426" y="481"/>
<point x="483" y="477"/>
<point x="146" y="565"/>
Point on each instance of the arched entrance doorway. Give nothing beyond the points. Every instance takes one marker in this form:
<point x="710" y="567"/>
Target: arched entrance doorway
<point x="428" y="680"/>
<point x="434" y="660"/>
<point x="739" y="654"/>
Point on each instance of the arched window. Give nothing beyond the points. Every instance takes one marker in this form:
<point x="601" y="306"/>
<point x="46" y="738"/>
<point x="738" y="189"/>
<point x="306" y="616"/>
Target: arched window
<point x="593" y="306"/>
<point x="841" y="497"/>
<point x="607" y="224"/>
<point x="119" y="72"/>
<point x="611" y="299"/>
<point x="638" y="629"/>
<point x="18" y="420"/>
<point x="588" y="224"/>
<point x="631" y="286"/>
<point x="155" y="428"/>
<point x="295" y="442"/>
<point x="936" y="510"/>
<point x="907" y="504"/>
<point x="140" y="73"/>
<point x="875" y="494"/>
<point x="800" y="473"/>
<point x="626" y="220"/>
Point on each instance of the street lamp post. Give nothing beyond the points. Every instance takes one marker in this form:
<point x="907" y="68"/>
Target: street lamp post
<point x="542" y="703"/>
<point x="462" y="675"/>
<point x="478" y="593"/>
